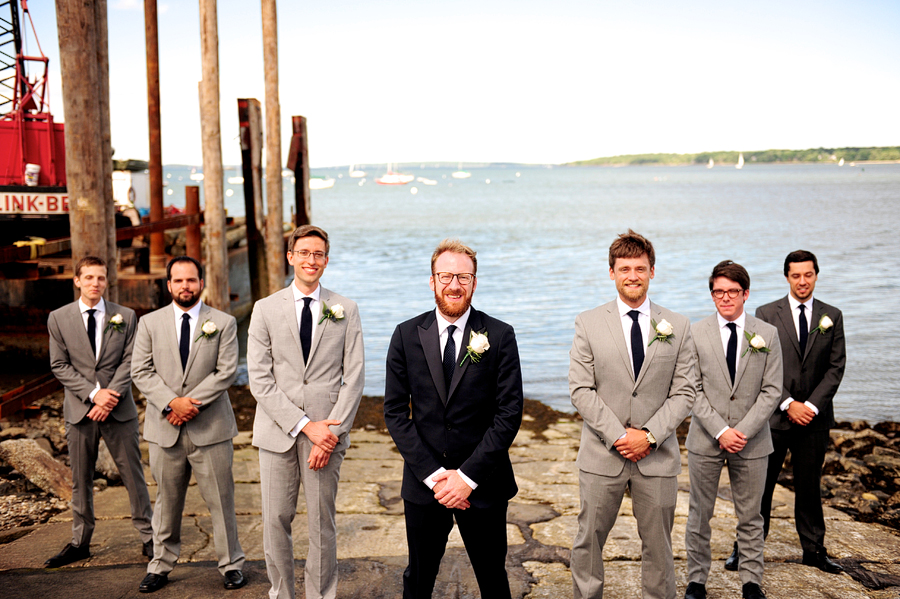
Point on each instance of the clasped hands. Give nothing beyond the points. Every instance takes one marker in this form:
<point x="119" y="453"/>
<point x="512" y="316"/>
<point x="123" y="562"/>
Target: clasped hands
<point x="181" y="410"/>
<point x="800" y="413"/>
<point x="634" y="445"/>
<point x="324" y="441"/>
<point x="104" y="402"/>
<point x="732" y="440"/>
<point x="451" y="490"/>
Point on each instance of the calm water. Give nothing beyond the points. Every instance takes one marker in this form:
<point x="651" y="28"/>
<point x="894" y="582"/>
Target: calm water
<point x="542" y="240"/>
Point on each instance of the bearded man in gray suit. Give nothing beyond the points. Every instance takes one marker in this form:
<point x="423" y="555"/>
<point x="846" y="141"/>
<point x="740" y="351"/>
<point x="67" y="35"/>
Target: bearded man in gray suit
<point x="90" y="354"/>
<point x="739" y="359"/>
<point x="185" y="359"/>
<point x="632" y="379"/>
<point x="306" y="364"/>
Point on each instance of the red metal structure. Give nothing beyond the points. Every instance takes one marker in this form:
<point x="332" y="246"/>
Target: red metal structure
<point x="28" y="134"/>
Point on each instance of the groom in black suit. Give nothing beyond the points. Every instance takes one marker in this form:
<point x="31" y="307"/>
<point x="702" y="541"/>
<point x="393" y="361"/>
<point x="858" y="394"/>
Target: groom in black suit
<point x="457" y="370"/>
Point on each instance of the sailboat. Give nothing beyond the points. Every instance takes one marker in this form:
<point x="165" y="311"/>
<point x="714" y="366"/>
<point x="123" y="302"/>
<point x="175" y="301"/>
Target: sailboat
<point x="461" y="174"/>
<point x="841" y="163"/>
<point x="740" y="162"/>
<point x="356" y="174"/>
<point x="711" y="163"/>
<point x="392" y="178"/>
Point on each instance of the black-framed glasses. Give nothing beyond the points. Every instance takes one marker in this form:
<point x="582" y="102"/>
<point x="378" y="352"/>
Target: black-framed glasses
<point x="732" y="293"/>
<point x="304" y="254"/>
<point x="464" y="278"/>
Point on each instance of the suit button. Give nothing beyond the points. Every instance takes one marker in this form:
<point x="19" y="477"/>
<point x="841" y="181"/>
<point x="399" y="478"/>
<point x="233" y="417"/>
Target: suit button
<point x="305" y="382"/>
<point x="634" y="394"/>
<point x="449" y="428"/>
<point x="732" y="398"/>
<point x="444" y="454"/>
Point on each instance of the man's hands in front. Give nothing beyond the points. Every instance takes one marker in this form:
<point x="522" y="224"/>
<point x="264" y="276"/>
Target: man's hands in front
<point x="800" y="413"/>
<point x="732" y="440"/>
<point x="324" y="442"/>
<point x="451" y="490"/>
<point x="104" y="402"/>
<point x="634" y="445"/>
<point x="183" y="409"/>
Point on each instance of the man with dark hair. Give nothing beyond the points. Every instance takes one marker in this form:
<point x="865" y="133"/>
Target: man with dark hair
<point x="632" y="379"/>
<point x="306" y="363"/>
<point x="812" y="342"/>
<point x="91" y="342"/>
<point x="185" y="359"/>
<point x="453" y="405"/>
<point x="739" y="362"/>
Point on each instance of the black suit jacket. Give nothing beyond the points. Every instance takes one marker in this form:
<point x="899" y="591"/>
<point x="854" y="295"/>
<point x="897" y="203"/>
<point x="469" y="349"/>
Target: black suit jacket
<point x="470" y="428"/>
<point x="815" y="376"/>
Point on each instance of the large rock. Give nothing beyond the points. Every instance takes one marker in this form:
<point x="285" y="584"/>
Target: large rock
<point x="886" y="460"/>
<point x="35" y="464"/>
<point x="106" y="465"/>
<point x="856" y="444"/>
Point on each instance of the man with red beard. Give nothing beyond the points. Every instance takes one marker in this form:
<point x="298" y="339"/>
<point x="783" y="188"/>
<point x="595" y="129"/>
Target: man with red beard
<point x="457" y="371"/>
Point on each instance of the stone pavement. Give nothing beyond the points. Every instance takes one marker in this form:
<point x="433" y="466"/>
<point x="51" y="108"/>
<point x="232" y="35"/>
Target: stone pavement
<point x="372" y="548"/>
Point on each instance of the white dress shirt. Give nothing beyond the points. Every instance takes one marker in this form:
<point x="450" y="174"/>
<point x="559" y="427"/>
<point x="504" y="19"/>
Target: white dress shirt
<point x="194" y="314"/>
<point x="795" y="315"/>
<point x="726" y="335"/>
<point x="298" y="309"/>
<point x="99" y="317"/>
<point x="460" y="325"/>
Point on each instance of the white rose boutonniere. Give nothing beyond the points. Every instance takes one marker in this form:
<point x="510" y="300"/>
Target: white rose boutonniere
<point x="825" y="323"/>
<point x="756" y="344"/>
<point x="478" y="344"/>
<point x="335" y="312"/>
<point x="116" y="323"/>
<point x="662" y="331"/>
<point x="208" y="330"/>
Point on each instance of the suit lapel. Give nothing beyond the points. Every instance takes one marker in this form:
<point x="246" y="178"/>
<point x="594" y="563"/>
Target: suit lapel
<point x="324" y="298"/>
<point x="614" y="323"/>
<point x="81" y="340"/>
<point x="106" y="337"/>
<point x="818" y="312"/>
<point x="289" y="315"/>
<point x="198" y="339"/>
<point x="473" y="324"/>
<point x="743" y="345"/>
<point x="431" y="346"/>
<point x="787" y="324"/>
<point x="650" y="350"/>
<point x="714" y="338"/>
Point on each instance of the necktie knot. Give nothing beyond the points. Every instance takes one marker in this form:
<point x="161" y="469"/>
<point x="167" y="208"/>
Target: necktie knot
<point x="732" y="326"/>
<point x="307" y="301"/>
<point x="802" y="308"/>
<point x="92" y="311"/>
<point x="186" y="317"/>
<point x="634" y="315"/>
<point x="451" y="329"/>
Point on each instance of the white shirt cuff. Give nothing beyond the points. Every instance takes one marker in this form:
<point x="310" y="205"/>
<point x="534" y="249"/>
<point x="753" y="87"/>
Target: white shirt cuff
<point x="784" y="405"/>
<point x="623" y="436"/>
<point x="94" y="392"/>
<point x="430" y="483"/>
<point x="811" y="407"/>
<point x="299" y="426"/>
<point x="722" y="432"/>
<point x="467" y="480"/>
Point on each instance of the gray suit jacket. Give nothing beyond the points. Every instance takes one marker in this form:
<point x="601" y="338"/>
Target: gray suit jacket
<point x="74" y="365"/>
<point x="329" y="387"/>
<point x="609" y="399"/>
<point x="211" y="369"/>
<point x="749" y="403"/>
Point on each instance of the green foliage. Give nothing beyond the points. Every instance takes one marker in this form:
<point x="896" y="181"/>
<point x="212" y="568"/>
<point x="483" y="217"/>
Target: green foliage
<point x="762" y="156"/>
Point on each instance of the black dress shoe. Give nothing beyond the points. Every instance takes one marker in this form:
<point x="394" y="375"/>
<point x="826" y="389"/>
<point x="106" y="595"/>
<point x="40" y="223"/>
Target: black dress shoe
<point x="147" y="551"/>
<point x="234" y="579"/>
<point x="695" y="590"/>
<point x="821" y="561"/>
<point x="731" y="563"/>
<point x="751" y="590"/>
<point x="68" y="555"/>
<point x="153" y="582"/>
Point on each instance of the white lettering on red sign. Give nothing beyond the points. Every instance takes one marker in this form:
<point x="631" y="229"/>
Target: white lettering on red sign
<point x="34" y="203"/>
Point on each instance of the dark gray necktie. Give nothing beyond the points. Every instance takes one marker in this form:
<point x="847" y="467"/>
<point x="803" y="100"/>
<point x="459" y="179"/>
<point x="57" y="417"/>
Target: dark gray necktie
<point x="804" y="330"/>
<point x="184" y="346"/>
<point x="92" y="331"/>
<point x="731" y="354"/>
<point x="637" y="343"/>
<point x="306" y="328"/>
<point x="449" y="356"/>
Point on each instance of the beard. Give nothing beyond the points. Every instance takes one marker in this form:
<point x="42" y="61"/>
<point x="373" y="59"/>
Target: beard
<point x="186" y="299"/>
<point x="633" y="294"/>
<point x="449" y="310"/>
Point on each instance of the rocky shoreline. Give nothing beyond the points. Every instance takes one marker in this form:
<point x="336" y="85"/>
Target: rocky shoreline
<point x="861" y="476"/>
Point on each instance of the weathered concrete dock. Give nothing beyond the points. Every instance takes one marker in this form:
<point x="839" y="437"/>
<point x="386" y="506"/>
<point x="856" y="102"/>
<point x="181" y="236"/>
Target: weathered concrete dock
<point x="372" y="548"/>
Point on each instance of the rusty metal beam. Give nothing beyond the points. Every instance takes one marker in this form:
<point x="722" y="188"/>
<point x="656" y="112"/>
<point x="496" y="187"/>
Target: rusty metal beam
<point x="21" y="397"/>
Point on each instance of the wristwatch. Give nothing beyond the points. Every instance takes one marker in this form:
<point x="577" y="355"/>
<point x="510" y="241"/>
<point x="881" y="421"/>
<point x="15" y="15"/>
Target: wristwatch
<point x="650" y="439"/>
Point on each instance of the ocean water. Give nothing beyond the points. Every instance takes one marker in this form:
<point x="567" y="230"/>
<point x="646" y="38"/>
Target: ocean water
<point x="542" y="236"/>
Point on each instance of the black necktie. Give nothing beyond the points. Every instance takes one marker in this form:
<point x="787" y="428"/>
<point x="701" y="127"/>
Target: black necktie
<point x="637" y="343"/>
<point x="804" y="330"/>
<point x="184" y="346"/>
<point x="306" y="328"/>
<point x="449" y="356"/>
<point x="92" y="331"/>
<point x="731" y="354"/>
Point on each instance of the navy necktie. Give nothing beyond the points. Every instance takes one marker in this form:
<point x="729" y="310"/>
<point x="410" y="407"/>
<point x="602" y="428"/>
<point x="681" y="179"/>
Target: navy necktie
<point x="637" y="343"/>
<point x="184" y="346"/>
<point x="306" y="328"/>
<point x="804" y="330"/>
<point x="92" y="331"/>
<point x="449" y="356"/>
<point x="731" y="354"/>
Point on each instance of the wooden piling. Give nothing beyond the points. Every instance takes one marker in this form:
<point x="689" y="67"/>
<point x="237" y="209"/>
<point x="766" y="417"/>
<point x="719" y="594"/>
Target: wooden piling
<point x="250" y="118"/>
<point x="298" y="161"/>
<point x="193" y="245"/>
<point x="275" y="254"/>
<point x="157" y="240"/>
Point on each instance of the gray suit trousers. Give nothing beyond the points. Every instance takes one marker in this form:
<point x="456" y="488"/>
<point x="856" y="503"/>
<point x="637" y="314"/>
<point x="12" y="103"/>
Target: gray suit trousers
<point x="653" y="503"/>
<point x="171" y="468"/>
<point x="281" y="475"/>
<point x="748" y="480"/>
<point x="122" y="441"/>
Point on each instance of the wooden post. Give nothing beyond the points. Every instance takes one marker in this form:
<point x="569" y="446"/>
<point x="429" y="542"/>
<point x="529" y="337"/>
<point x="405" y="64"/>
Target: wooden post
<point x="298" y="161"/>
<point x="84" y="66"/>
<point x="275" y="254"/>
<point x="217" y="289"/>
<point x="251" y="156"/>
<point x="157" y="240"/>
<point x="193" y="245"/>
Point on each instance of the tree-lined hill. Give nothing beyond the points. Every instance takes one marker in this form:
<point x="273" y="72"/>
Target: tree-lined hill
<point x="766" y="156"/>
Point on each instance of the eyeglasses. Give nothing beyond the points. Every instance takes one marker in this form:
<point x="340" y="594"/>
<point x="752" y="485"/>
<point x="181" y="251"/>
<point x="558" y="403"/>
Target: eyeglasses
<point x="304" y="254"/>
<point x="732" y="293"/>
<point x="446" y="278"/>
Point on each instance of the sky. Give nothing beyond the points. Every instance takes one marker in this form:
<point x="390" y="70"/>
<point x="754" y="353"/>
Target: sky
<point x="532" y="81"/>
